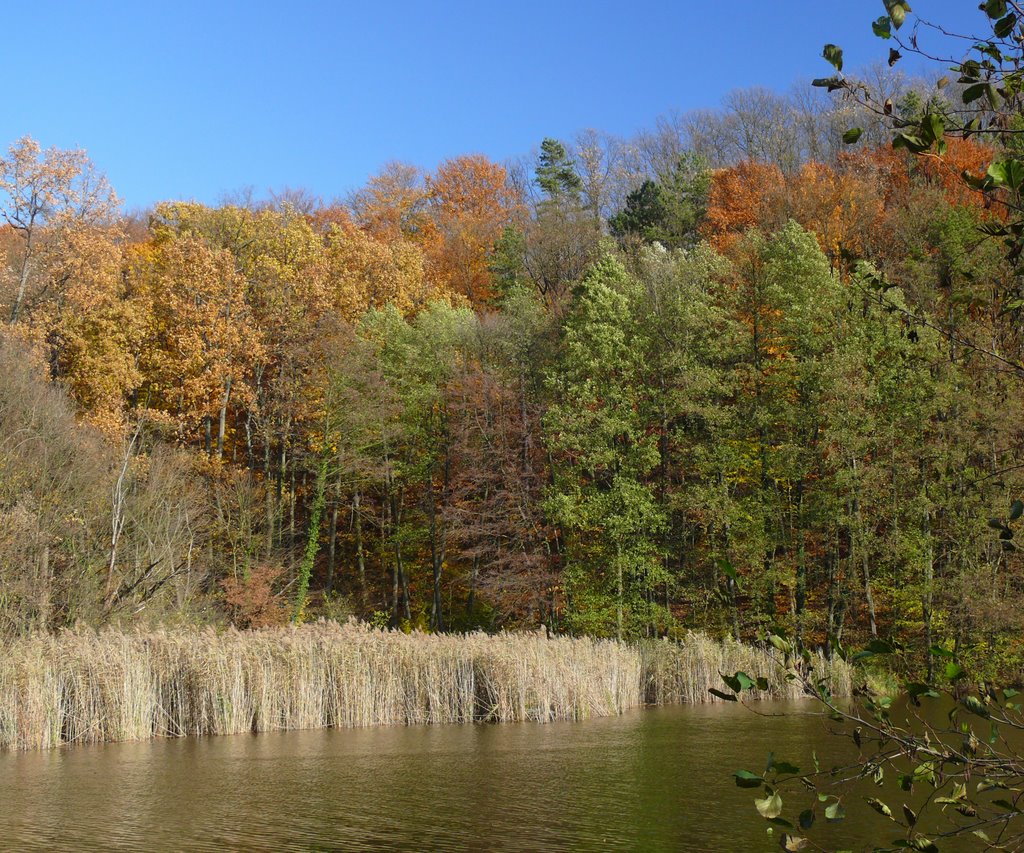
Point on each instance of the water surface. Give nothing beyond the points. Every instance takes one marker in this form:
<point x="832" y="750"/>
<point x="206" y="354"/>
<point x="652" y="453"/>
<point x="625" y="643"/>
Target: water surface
<point x="655" y="779"/>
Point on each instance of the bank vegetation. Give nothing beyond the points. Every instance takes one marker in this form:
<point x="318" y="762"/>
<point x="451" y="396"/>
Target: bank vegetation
<point x="81" y="686"/>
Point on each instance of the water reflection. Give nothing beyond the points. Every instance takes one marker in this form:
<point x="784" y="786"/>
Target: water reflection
<point x="651" y="780"/>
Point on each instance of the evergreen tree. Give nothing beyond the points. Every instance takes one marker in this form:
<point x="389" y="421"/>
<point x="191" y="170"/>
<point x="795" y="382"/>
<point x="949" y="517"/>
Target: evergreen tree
<point x="556" y="173"/>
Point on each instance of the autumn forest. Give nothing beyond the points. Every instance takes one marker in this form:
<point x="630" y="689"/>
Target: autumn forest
<point x="726" y="375"/>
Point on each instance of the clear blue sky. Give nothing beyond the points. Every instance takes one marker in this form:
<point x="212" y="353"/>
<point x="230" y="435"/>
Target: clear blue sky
<point x="193" y="99"/>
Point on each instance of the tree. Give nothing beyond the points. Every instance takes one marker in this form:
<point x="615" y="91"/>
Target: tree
<point x="643" y="214"/>
<point x="556" y="173"/>
<point x="393" y="204"/>
<point x="495" y="513"/>
<point x="989" y="83"/>
<point x="741" y="197"/>
<point x="200" y="339"/>
<point x="561" y="239"/>
<point x="472" y="203"/>
<point x="600" y="496"/>
<point x="45" y="194"/>
<point x="668" y="212"/>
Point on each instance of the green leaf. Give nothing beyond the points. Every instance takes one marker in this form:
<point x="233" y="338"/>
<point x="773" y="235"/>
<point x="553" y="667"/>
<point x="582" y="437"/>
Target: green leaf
<point x="880" y="647"/>
<point x="915" y="689"/>
<point x="835" y="811"/>
<point x="1004" y="26"/>
<point x="925" y="772"/>
<point x="933" y="128"/>
<point x="834" y="55"/>
<point x="781" y="644"/>
<point x="1016" y="510"/>
<point x="852" y="135"/>
<point x="953" y="671"/>
<point x="972" y="93"/>
<point x="940" y="652"/>
<point x="909" y="814"/>
<point x="746" y="779"/>
<point x="879" y="807"/>
<point x="770" y="806"/>
<point x="728" y="697"/>
<point x="913" y="144"/>
<point x="897" y="10"/>
<point x="1013" y="173"/>
<point x="881" y="27"/>
<point x="746" y="681"/>
<point x="806" y="819"/>
<point x="975" y="706"/>
<point x="829" y="83"/>
<point x="786" y="767"/>
<point x="727" y="568"/>
<point x="995" y="8"/>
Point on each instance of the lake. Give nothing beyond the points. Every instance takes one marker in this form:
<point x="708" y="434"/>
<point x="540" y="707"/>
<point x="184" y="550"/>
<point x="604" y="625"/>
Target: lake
<point x="653" y="779"/>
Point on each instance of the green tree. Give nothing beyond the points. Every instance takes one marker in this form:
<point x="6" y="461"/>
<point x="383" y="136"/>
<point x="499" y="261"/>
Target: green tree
<point x="600" y="497"/>
<point x="556" y="173"/>
<point x="670" y="209"/>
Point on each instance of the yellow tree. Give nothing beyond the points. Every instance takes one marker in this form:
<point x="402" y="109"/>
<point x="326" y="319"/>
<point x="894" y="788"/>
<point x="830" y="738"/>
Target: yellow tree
<point x="366" y="271"/>
<point x="43" y="195"/>
<point x="201" y="337"/>
<point x="92" y="324"/>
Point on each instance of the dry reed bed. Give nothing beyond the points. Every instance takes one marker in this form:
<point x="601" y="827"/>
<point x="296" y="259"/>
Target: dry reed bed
<point x="86" y="687"/>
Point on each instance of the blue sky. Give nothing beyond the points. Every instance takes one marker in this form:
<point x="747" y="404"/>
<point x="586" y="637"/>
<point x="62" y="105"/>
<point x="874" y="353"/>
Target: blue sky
<point x="194" y="99"/>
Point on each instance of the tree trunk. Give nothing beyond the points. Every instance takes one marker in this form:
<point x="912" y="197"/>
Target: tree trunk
<point x="222" y="421"/>
<point x="357" y="523"/>
<point x="268" y="497"/>
<point x="45" y="589"/>
<point x="19" y="299"/>
<point x="471" y="597"/>
<point x="436" y="562"/>
<point x="117" y="513"/>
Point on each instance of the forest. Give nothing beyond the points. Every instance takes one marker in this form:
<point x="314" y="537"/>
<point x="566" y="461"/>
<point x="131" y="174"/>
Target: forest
<point x="728" y="375"/>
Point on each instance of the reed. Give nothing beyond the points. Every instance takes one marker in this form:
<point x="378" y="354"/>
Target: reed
<point x="684" y="671"/>
<point x="88" y="687"/>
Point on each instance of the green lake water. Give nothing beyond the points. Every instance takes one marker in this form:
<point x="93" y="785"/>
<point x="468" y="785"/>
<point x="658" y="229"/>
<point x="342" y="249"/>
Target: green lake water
<point x="654" y="779"/>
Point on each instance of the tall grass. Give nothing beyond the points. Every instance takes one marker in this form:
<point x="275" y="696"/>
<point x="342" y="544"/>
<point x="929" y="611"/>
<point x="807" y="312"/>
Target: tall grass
<point x="87" y="687"/>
